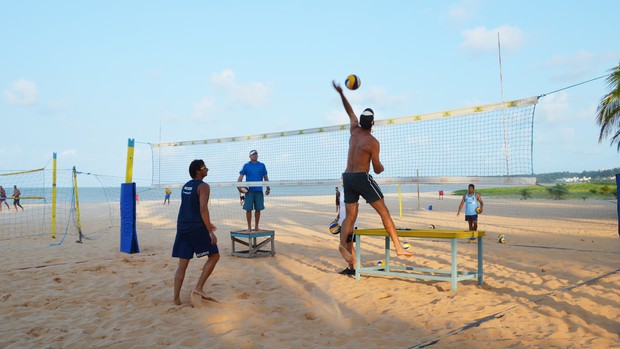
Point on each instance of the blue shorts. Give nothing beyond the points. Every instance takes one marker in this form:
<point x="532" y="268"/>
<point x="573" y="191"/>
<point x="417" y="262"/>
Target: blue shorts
<point x="193" y="240"/>
<point x="360" y="183"/>
<point x="471" y="218"/>
<point x="254" y="200"/>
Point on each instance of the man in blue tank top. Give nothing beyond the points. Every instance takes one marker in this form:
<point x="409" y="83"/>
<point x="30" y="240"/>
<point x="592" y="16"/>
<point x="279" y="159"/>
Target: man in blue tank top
<point x="195" y="232"/>
<point x="254" y="171"/>
<point x="473" y="206"/>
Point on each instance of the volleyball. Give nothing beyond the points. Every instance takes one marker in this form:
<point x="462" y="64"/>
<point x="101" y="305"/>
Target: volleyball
<point x="406" y="245"/>
<point x="501" y="239"/>
<point x="353" y="82"/>
<point x="478" y="209"/>
<point x="243" y="189"/>
<point x="334" y="228"/>
<point x="381" y="263"/>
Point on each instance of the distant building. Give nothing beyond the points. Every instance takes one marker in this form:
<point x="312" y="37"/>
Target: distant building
<point x="575" y="180"/>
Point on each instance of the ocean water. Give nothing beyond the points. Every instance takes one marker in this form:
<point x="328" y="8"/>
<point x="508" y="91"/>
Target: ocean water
<point x="112" y="194"/>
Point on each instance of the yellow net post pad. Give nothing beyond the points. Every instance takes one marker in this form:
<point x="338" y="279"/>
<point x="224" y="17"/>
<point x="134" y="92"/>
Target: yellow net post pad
<point x="453" y="274"/>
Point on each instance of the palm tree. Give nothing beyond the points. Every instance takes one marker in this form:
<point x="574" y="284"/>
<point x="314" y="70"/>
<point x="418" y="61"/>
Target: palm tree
<point x="608" y="111"/>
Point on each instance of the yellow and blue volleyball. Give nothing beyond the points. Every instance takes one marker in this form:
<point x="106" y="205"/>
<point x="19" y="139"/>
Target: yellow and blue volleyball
<point x="406" y="245"/>
<point x="478" y="209"/>
<point x="501" y="239"/>
<point x="353" y="82"/>
<point x="334" y="228"/>
<point x="381" y="263"/>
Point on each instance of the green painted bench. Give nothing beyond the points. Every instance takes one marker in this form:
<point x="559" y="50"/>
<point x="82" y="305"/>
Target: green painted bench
<point x="250" y="239"/>
<point x="453" y="274"/>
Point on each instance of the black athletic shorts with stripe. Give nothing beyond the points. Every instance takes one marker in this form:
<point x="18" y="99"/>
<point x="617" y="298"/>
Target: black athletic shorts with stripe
<point x="360" y="183"/>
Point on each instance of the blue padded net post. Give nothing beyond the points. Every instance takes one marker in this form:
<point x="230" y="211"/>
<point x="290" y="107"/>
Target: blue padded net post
<point x="129" y="237"/>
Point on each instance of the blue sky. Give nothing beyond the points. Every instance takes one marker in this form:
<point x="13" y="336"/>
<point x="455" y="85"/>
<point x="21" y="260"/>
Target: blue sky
<point x="81" y="77"/>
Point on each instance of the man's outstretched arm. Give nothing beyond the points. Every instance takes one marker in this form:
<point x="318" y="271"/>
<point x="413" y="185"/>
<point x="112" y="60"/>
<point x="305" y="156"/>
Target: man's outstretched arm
<point x="347" y="106"/>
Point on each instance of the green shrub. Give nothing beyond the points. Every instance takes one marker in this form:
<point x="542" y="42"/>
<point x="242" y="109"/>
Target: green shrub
<point x="557" y="192"/>
<point x="525" y="194"/>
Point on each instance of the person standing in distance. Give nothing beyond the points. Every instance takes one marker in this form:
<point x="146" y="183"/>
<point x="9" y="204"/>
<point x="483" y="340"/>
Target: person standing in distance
<point x="3" y="199"/>
<point x="167" y="196"/>
<point x="356" y="179"/>
<point x="16" y="194"/>
<point x="195" y="231"/>
<point x="337" y="200"/>
<point x="254" y="171"/>
<point x="472" y="201"/>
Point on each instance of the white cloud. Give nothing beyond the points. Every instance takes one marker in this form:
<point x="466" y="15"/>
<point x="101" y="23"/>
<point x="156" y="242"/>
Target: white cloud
<point x="21" y="92"/>
<point x="554" y="107"/>
<point x="57" y="107"/>
<point x="562" y="107"/>
<point x="481" y="39"/>
<point x="376" y="98"/>
<point x="202" y="108"/>
<point x="69" y="153"/>
<point x="575" y="66"/>
<point x="463" y="10"/>
<point x="567" y="134"/>
<point x="336" y="117"/>
<point x="252" y="94"/>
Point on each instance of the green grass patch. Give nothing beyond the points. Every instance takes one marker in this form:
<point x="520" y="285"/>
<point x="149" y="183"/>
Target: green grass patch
<point x="558" y="191"/>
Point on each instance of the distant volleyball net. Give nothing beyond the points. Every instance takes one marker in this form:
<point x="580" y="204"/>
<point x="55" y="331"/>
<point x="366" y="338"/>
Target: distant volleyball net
<point x="487" y="144"/>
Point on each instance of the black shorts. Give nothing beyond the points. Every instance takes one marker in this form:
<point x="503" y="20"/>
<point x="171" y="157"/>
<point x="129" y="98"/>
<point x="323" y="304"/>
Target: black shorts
<point x="471" y="218"/>
<point x="360" y="183"/>
<point x="192" y="240"/>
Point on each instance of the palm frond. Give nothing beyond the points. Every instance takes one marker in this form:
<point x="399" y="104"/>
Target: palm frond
<point x="608" y="110"/>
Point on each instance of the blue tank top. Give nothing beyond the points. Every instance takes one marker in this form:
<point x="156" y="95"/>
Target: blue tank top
<point x="189" y="212"/>
<point x="471" y="204"/>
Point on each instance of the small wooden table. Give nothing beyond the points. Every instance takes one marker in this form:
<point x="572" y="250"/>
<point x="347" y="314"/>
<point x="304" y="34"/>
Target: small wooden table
<point x="253" y="245"/>
<point x="453" y="274"/>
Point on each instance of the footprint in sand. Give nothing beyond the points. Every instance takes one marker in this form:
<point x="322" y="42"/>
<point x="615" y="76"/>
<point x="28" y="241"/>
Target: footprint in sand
<point x="201" y="300"/>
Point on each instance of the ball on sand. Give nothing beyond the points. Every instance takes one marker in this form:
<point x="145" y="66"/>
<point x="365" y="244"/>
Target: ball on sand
<point x="501" y="239"/>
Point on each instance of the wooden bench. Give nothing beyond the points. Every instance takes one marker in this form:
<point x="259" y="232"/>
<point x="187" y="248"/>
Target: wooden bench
<point x="253" y="245"/>
<point x="453" y="274"/>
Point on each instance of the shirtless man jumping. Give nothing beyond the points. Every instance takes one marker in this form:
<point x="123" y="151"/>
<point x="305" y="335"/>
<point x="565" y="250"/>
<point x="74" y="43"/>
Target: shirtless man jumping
<point x="363" y="149"/>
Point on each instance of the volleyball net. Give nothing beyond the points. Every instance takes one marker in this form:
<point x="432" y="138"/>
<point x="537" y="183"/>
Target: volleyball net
<point x="52" y="203"/>
<point x="487" y="144"/>
<point x="490" y="144"/>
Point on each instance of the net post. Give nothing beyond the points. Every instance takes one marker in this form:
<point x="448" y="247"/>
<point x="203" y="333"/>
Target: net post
<point x="129" y="170"/>
<point x="77" y="206"/>
<point x="54" y="171"/>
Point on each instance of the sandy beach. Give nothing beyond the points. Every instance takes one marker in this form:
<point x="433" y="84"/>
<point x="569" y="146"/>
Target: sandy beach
<point x="554" y="284"/>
